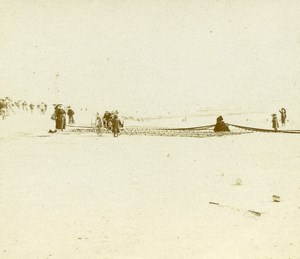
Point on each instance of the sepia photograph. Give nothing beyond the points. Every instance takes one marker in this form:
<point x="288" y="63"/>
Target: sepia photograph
<point x="151" y="129"/>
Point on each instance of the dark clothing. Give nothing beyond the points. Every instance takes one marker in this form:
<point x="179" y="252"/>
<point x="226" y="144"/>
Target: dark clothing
<point x="60" y="122"/>
<point x="70" y="112"/>
<point x="71" y="118"/>
<point x="3" y="105"/>
<point x="106" y="119"/>
<point x="3" y="109"/>
<point x="221" y="125"/>
<point x="116" y="124"/>
<point x="283" y="116"/>
<point x="275" y="124"/>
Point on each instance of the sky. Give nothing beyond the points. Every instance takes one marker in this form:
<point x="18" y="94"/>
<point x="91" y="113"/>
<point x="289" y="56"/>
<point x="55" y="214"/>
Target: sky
<point x="152" y="56"/>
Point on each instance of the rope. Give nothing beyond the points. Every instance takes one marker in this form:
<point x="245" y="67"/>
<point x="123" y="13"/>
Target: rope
<point x="191" y="128"/>
<point x="151" y="130"/>
<point x="265" y="130"/>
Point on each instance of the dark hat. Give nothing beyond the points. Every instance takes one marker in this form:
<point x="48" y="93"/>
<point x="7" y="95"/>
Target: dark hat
<point x="274" y="115"/>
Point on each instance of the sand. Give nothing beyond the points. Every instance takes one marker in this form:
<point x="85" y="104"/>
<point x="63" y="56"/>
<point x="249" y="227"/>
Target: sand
<point x="81" y="196"/>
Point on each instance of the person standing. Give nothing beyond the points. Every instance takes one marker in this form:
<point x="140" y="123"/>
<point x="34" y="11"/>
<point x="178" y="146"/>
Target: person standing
<point x="60" y="122"/>
<point x="24" y="105"/>
<point x="42" y="107"/>
<point x="99" y="124"/>
<point x="283" y="116"/>
<point x="106" y="118"/>
<point x="3" y="108"/>
<point x="275" y="124"/>
<point x="116" y="124"/>
<point x="71" y="115"/>
<point x="31" y="106"/>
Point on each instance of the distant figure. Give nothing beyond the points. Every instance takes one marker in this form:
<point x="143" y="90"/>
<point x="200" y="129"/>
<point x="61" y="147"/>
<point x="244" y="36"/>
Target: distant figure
<point x="60" y="122"/>
<point x="24" y="105"/>
<point x="99" y="124"/>
<point x="9" y="105"/>
<point x="3" y="108"/>
<point x="18" y="104"/>
<point x="221" y="125"/>
<point x="275" y="124"/>
<point x="283" y="116"/>
<point x="71" y="115"/>
<point x="43" y="108"/>
<point x="106" y="118"/>
<point x="31" y="106"/>
<point x="116" y="124"/>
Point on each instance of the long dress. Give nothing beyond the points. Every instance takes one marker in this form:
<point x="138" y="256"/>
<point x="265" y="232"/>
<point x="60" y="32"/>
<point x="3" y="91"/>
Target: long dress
<point x="60" y="122"/>
<point x="283" y="116"/>
<point x="275" y="124"/>
<point x="116" y="126"/>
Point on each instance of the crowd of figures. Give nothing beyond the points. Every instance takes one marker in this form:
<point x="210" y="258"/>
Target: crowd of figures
<point x="110" y="121"/>
<point x="8" y="105"/>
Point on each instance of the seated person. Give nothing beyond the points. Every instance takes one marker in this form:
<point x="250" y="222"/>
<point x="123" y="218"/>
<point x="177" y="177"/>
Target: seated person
<point x="221" y="125"/>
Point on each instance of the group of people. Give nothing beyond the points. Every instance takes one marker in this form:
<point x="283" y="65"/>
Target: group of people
<point x="8" y="105"/>
<point x="110" y="121"/>
<point x="221" y="126"/>
<point x="283" y="116"/>
<point x="59" y="116"/>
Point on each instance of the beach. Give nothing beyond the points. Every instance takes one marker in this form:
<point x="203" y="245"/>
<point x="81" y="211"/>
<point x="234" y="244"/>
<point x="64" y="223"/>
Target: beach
<point x="207" y="163"/>
<point x="70" y="195"/>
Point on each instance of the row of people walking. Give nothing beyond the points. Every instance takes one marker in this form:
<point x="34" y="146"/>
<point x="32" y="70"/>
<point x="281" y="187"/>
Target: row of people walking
<point x="8" y="105"/>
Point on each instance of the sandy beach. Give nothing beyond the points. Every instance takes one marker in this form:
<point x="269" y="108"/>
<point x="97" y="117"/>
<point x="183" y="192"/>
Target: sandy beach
<point x="72" y="195"/>
<point x="163" y="189"/>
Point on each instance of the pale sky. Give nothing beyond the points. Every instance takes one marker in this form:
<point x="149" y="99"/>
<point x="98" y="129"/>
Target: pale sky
<point x="152" y="55"/>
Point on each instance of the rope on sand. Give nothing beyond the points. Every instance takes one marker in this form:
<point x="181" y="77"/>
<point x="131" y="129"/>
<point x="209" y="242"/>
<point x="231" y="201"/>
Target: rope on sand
<point x="200" y="131"/>
<point x="197" y="132"/>
<point x="265" y="130"/>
